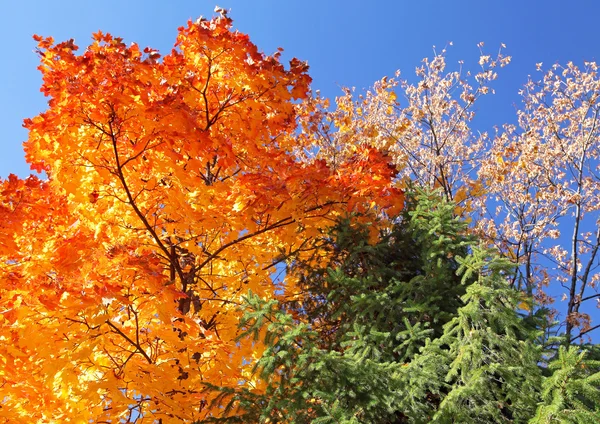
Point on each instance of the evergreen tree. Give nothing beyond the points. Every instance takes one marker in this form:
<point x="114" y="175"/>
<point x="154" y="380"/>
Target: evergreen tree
<point x="418" y="326"/>
<point x="489" y="358"/>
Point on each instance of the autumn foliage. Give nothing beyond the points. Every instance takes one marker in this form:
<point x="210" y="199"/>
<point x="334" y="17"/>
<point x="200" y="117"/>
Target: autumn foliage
<point x="173" y="187"/>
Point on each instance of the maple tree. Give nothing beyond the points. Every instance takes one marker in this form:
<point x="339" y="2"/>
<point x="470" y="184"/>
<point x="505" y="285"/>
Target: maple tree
<point x="174" y="186"/>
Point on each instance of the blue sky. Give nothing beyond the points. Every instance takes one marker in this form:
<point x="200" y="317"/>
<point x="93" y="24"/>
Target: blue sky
<point x="346" y="43"/>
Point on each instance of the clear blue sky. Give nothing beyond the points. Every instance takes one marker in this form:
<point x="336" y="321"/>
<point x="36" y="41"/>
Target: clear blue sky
<point x="346" y="43"/>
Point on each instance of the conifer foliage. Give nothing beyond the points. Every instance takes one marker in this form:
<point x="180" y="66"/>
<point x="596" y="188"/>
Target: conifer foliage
<point x="419" y="325"/>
